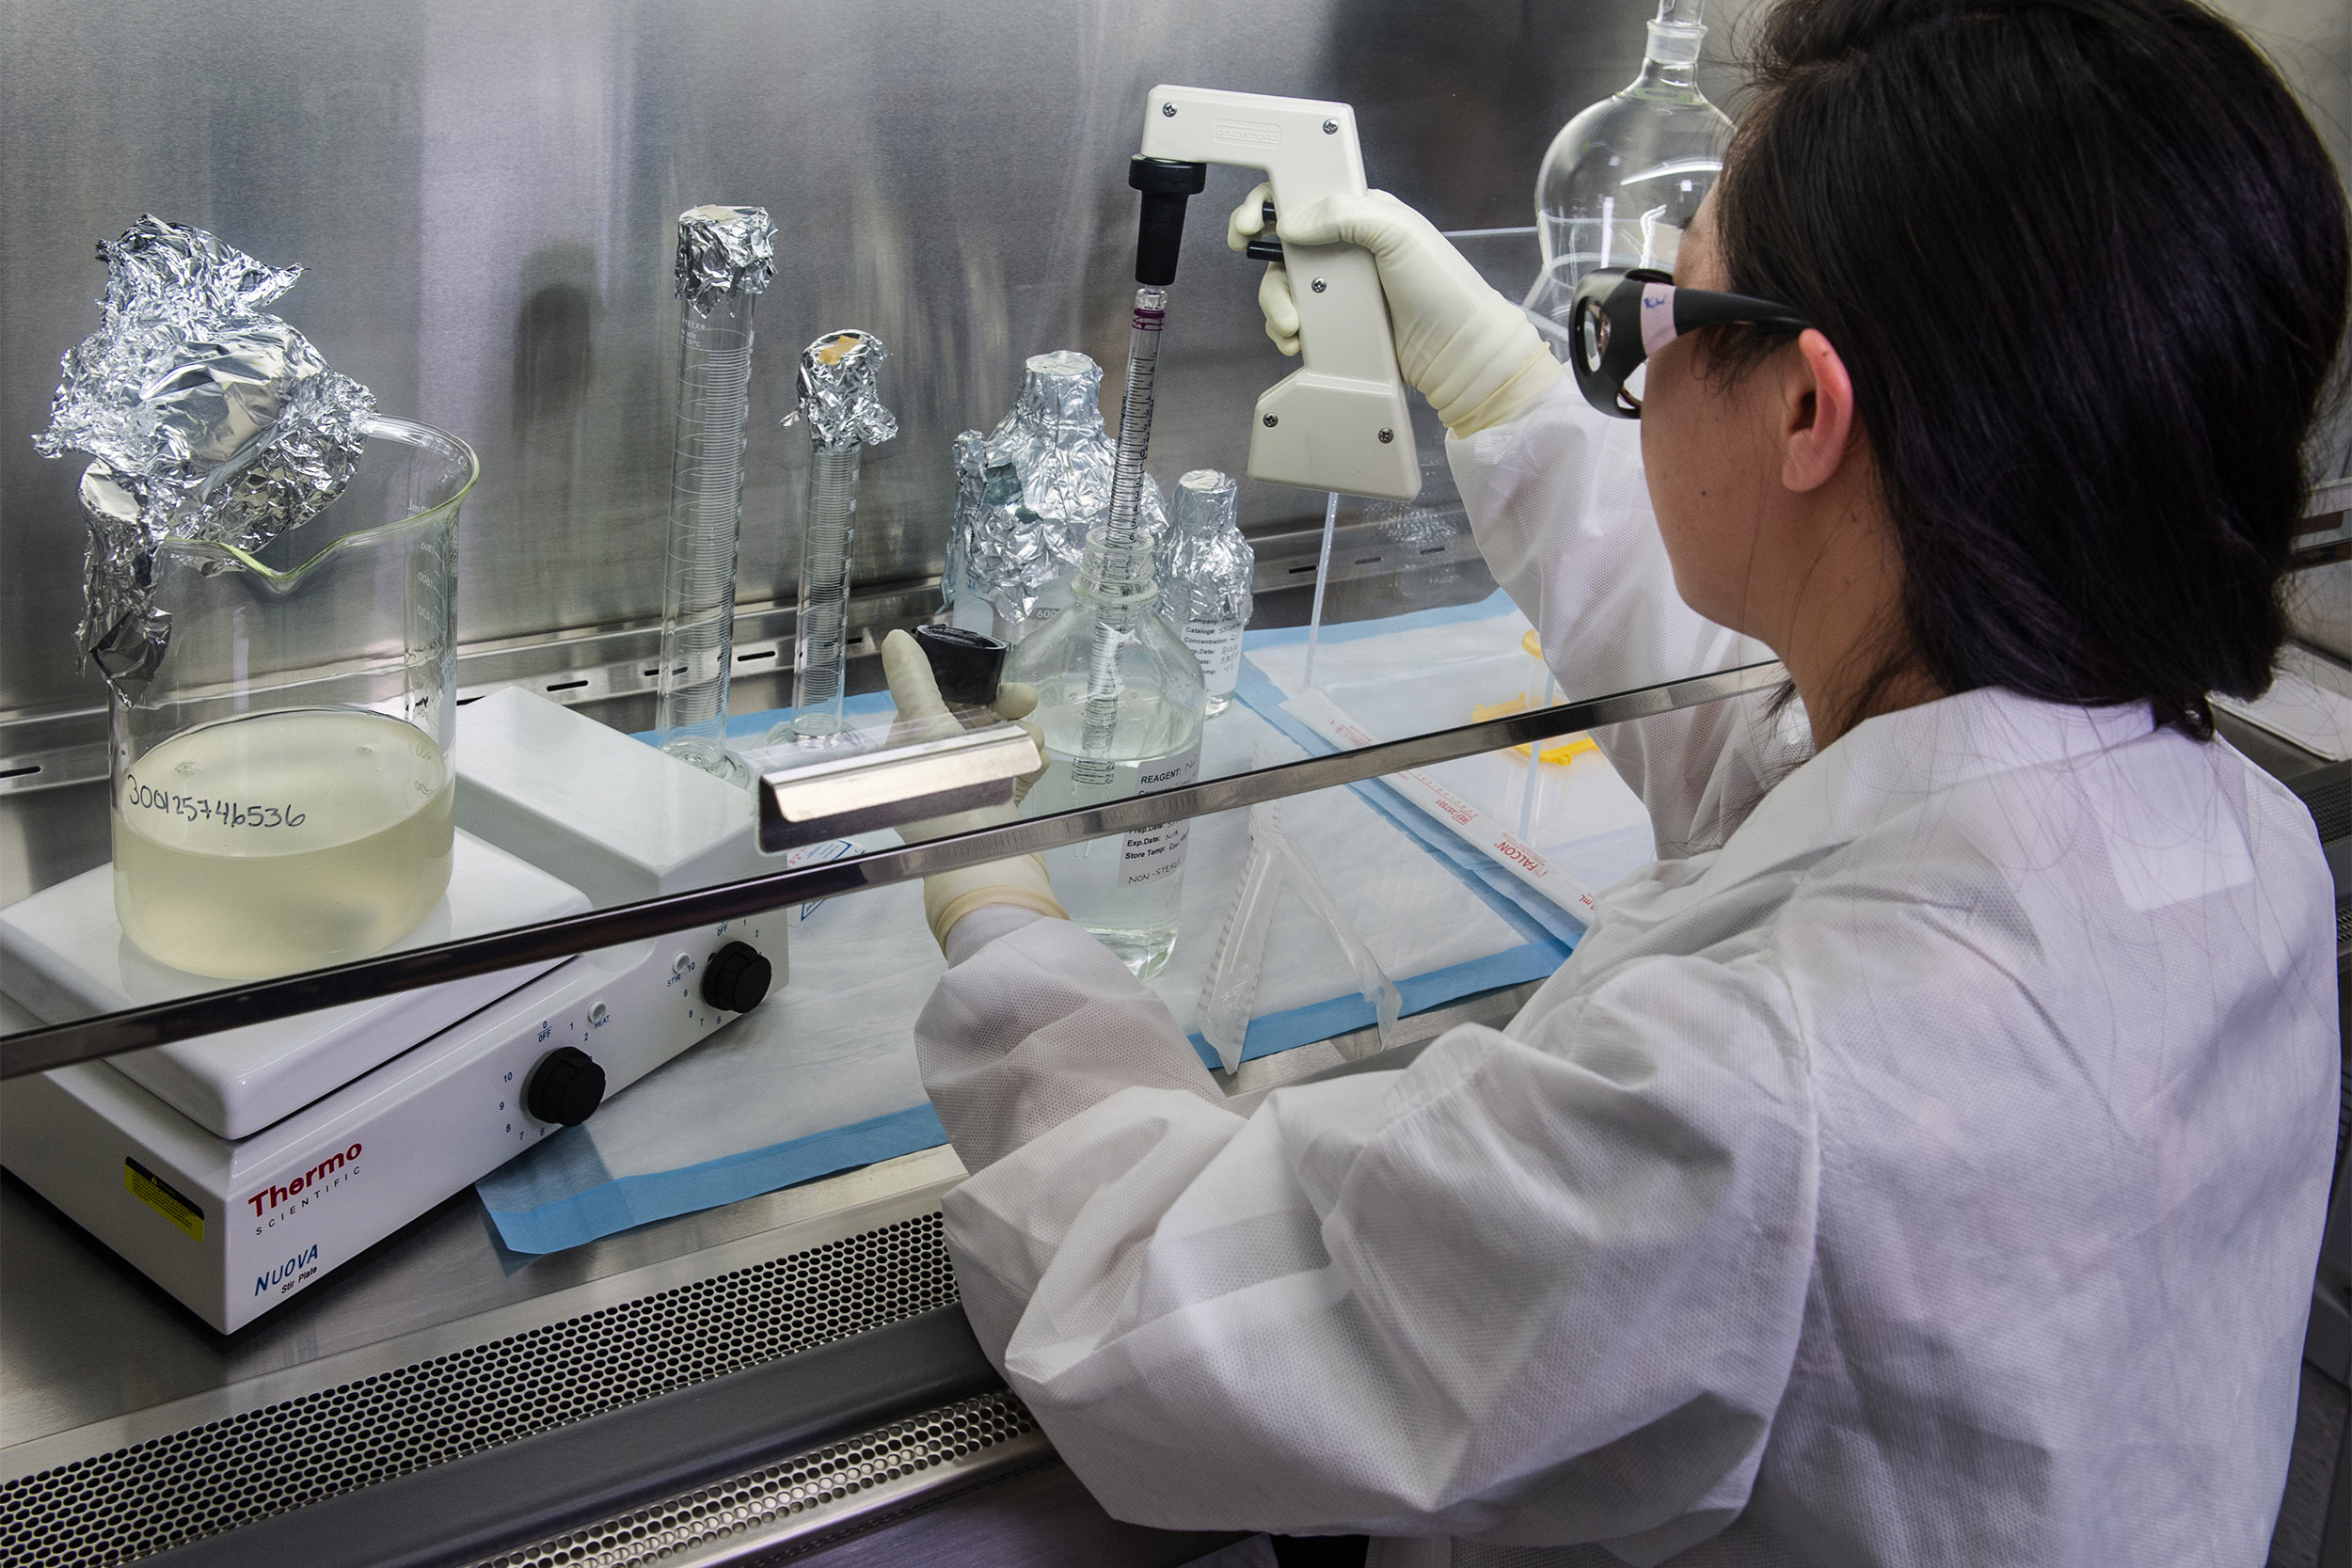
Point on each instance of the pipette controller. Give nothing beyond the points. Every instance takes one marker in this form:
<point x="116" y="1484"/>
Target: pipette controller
<point x="1338" y="423"/>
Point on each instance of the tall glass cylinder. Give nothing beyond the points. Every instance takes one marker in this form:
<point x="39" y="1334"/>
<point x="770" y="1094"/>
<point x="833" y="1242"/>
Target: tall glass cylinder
<point x="841" y="405"/>
<point x="284" y="783"/>
<point x="1623" y="179"/>
<point x="819" y="647"/>
<point x="725" y="258"/>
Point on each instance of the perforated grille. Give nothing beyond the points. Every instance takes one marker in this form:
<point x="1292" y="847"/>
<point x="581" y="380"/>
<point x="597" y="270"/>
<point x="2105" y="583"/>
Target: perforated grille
<point x="115" y="1507"/>
<point x="803" y="1485"/>
<point x="2332" y="808"/>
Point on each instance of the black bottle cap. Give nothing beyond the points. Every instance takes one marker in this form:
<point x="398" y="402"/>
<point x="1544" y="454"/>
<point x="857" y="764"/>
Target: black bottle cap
<point x="966" y="664"/>
<point x="1167" y="185"/>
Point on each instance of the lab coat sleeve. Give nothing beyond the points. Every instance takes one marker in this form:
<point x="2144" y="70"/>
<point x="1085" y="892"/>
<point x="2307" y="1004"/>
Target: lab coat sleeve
<point x="1035" y="1022"/>
<point x="1562" y="513"/>
<point x="1539" y="1290"/>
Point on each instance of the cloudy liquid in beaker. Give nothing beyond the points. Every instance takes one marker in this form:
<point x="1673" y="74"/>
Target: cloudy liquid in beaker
<point x="282" y="841"/>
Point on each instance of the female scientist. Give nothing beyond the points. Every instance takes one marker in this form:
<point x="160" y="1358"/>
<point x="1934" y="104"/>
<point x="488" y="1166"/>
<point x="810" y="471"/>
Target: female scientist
<point x="1924" y="1160"/>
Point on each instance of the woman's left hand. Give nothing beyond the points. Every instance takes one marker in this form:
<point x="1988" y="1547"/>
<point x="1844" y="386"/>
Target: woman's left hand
<point x="924" y="714"/>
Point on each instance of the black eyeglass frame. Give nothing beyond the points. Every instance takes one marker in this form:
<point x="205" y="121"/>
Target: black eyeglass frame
<point x="1620" y="316"/>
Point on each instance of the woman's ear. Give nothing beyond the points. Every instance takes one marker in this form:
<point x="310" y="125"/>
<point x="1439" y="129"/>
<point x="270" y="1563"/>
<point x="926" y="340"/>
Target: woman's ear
<point x="1817" y="414"/>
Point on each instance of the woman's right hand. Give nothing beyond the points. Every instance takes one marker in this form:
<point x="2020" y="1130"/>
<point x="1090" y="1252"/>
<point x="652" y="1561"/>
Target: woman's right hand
<point x="1473" y="352"/>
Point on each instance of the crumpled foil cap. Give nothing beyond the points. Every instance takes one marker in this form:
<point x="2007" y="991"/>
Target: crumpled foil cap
<point x="1027" y="495"/>
<point x="840" y="397"/>
<point x="723" y="250"/>
<point x="208" y="418"/>
<point x="1205" y="564"/>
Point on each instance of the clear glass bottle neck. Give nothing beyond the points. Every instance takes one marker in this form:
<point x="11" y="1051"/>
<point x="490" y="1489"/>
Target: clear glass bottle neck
<point x="1670" y="62"/>
<point x="1103" y="578"/>
<point x="1681" y="76"/>
<point x="1092" y="587"/>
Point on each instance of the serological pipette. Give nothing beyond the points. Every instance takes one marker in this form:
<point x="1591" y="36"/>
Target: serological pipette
<point x="1127" y="549"/>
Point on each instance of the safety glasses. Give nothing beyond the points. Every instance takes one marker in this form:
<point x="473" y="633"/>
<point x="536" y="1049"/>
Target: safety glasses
<point x="1623" y="315"/>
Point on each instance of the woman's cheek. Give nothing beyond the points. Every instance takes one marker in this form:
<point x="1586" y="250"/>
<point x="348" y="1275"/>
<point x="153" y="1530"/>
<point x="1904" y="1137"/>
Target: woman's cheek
<point x="1670" y="455"/>
<point x="1686" y="443"/>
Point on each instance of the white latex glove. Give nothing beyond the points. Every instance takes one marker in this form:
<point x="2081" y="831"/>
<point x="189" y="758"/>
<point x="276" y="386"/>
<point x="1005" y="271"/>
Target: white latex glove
<point x="1470" y="352"/>
<point x="949" y="895"/>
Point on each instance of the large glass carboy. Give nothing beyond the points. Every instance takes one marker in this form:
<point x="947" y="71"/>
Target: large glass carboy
<point x="1621" y="179"/>
<point x="1027" y="494"/>
<point x="283" y="783"/>
<point x="1125" y="889"/>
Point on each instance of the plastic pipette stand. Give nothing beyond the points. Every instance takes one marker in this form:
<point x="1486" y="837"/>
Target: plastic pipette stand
<point x="1222" y="1013"/>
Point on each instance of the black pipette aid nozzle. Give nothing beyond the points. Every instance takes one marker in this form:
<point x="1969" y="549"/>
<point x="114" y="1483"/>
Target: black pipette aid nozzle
<point x="1167" y="185"/>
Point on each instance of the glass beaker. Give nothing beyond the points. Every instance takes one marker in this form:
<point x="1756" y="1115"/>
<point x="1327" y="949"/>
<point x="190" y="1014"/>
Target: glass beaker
<point x="284" y="785"/>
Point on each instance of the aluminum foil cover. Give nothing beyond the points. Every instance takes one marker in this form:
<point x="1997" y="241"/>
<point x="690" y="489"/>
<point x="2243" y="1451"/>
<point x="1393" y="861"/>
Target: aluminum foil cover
<point x="723" y="250"/>
<point x="1027" y="494"/>
<point x="840" y="398"/>
<point x="208" y="418"/>
<point x="1205" y="564"/>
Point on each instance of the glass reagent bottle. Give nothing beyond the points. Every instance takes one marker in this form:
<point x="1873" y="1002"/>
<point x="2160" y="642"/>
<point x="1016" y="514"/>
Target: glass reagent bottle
<point x="1124" y="890"/>
<point x="1205" y="567"/>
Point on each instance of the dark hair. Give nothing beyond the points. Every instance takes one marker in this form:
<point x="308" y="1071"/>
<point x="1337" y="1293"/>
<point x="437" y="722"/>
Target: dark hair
<point x="2085" y="261"/>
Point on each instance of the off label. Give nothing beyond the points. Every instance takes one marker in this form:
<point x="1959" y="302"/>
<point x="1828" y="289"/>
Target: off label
<point x="1148" y="854"/>
<point x="1217" y="645"/>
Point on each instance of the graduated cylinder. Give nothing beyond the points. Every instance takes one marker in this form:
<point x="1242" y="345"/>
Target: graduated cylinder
<point x="725" y="261"/>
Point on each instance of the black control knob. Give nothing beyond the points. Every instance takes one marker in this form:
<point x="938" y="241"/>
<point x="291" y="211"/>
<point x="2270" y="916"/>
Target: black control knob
<point x="565" y="1087"/>
<point x="737" y="977"/>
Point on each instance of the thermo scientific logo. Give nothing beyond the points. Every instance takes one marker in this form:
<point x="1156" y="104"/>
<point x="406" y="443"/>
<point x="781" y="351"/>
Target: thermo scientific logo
<point x="270" y="1198"/>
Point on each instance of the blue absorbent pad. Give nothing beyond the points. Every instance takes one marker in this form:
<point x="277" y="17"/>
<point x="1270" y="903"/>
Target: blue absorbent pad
<point x="567" y="1197"/>
<point x="1588" y="819"/>
<point x="820" y="1079"/>
<point x="1276" y="1033"/>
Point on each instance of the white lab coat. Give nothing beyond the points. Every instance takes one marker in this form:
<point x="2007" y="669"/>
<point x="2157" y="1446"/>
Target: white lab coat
<point x="1922" y="1164"/>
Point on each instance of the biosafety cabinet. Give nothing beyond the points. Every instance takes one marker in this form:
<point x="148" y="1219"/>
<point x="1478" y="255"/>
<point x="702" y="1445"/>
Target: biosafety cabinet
<point x="460" y="914"/>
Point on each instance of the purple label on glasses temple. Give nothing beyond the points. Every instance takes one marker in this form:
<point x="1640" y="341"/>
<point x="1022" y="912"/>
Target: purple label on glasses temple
<point x="1657" y="316"/>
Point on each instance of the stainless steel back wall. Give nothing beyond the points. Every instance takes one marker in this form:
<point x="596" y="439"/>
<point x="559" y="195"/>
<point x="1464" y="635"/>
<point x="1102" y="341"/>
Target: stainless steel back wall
<point x="484" y="194"/>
